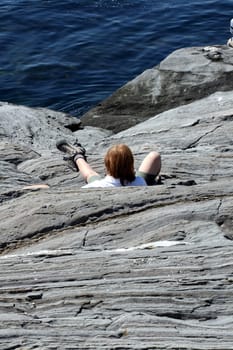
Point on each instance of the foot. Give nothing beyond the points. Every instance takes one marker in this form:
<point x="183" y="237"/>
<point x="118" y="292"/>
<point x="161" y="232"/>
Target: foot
<point x="73" y="151"/>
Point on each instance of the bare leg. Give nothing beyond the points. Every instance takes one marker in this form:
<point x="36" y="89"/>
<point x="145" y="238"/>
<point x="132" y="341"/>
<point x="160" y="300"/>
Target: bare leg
<point x="85" y="169"/>
<point x="150" y="166"/>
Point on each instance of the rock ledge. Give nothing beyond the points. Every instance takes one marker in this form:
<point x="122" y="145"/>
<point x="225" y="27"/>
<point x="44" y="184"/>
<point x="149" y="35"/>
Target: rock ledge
<point x="130" y="268"/>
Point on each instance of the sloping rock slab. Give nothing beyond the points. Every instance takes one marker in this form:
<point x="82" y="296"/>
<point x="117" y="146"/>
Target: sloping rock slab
<point x="130" y="268"/>
<point x="145" y="269"/>
<point x="186" y="75"/>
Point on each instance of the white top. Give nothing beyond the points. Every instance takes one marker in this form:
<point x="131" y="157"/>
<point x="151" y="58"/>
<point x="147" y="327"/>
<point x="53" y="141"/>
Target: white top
<point x="109" y="181"/>
<point x="230" y="42"/>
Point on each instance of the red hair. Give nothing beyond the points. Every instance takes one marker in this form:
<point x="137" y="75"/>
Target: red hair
<point x="119" y="163"/>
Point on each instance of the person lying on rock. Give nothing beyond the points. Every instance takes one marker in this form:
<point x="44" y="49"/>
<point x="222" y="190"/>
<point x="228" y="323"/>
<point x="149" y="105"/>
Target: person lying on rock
<point x="230" y="41"/>
<point x="119" y="164"/>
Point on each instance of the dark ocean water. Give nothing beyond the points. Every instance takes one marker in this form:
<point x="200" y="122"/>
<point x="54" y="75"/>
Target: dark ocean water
<point x="69" y="55"/>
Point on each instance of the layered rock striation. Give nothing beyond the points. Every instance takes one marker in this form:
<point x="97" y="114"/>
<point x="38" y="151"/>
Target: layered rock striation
<point x="129" y="268"/>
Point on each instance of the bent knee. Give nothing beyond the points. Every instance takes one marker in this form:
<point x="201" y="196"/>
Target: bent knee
<point x="155" y="160"/>
<point x="155" y="156"/>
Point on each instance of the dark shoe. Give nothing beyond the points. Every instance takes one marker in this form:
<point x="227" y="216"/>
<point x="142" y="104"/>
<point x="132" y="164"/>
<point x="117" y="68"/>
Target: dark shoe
<point x="158" y="180"/>
<point x="73" y="151"/>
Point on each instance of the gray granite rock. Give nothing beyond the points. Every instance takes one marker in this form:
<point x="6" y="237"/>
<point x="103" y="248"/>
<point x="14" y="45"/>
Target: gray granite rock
<point x="130" y="268"/>
<point x="186" y="75"/>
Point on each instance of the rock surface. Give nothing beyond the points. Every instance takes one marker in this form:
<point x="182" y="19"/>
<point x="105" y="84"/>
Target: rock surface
<point x="130" y="268"/>
<point x="186" y="75"/>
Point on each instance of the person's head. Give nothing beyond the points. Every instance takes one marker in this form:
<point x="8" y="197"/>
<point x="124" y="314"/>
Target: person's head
<point x="119" y="163"/>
